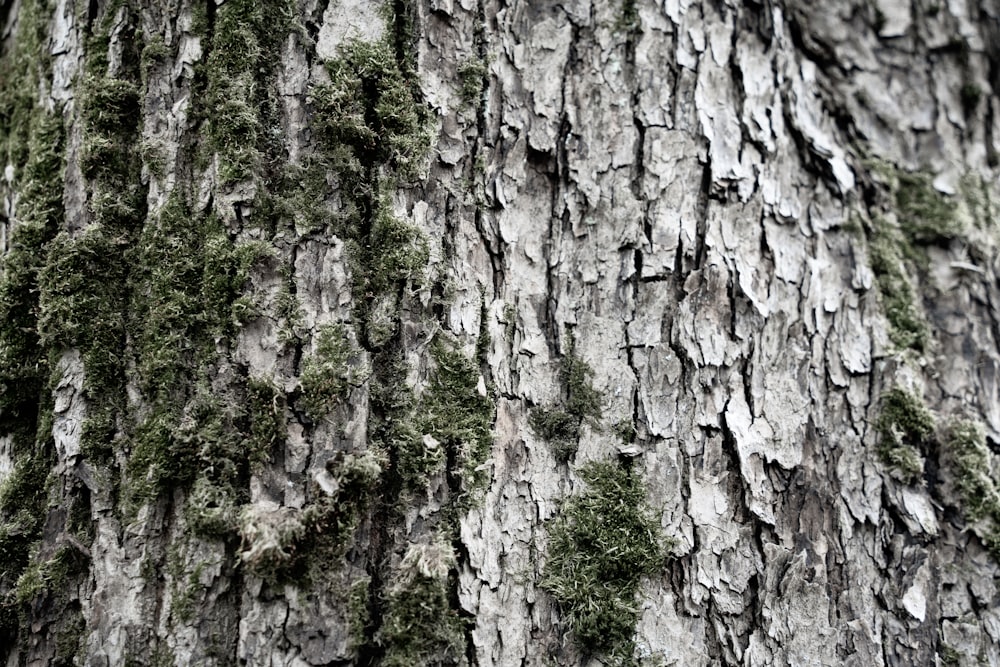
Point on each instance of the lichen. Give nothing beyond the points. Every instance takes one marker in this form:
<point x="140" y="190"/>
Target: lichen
<point x="905" y="426"/>
<point x="602" y="543"/>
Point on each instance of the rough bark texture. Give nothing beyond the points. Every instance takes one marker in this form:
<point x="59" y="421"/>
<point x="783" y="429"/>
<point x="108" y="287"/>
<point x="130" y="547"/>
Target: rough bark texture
<point x="313" y="311"/>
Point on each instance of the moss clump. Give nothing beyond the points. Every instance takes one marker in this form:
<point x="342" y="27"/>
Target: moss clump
<point x="904" y="426"/>
<point x="21" y="68"/>
<point x="457" y="416"/>
<point x="244" y="49"/>
<point x="188" y="285"/>
<point x="907" y="328"/>
<point x="394" y="251"/>
<point x="970" y="94"/>
<point x="359" y="611"/>
<point x="293" y="545"/>
<point x="419" y="625"/>
<point x="975" y="478"/>
<point x="925" y="215"/>
<point x="211" y="508"/>
<point x="472" y="80"/>
<point x="35" y="150"/>
<point x="111" y="109"/>
<point x="46" y="576"/>
<point x="370" y="108"/>
<point x="330" y="372"/>
<point x="560" y="424"/>
<point x="266" y="411"/>
<point x="172" y="449"/>
<point x="949" y="656"/>
<point x="898" y="252"/>
<point x="23" y="362"/>
<point x="22" y="496"/>
<point x="392" y="425"/>
<point x="603" y="542"/>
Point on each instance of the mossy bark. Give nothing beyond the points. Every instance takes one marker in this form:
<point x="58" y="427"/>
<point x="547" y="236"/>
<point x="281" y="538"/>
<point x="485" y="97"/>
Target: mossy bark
<point x="420" y="332"/>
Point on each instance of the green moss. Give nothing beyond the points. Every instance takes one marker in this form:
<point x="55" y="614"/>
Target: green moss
<point x="899" y="255"/>
<point x="69" y="639"/>
<point x="24" y="64"/>
<point x="154" y="53"/>
<point x="266" y="407"/>
<point x="974" y="472"/>
<point x="457" y="416"/>
<point x="395" y="251"/>
<point x="359" y="611"/>
<point x="22" y="496"/>
<point x="75" y="310"/>
<point x="629" y="18"/>
<point x="370" y="108"/>
<point x="970" y="94"/>
<point x="23" y="362"/>
<point x="299" y="545"/>
<point x="948" y="656"/>
<point x="907" y="327"/>
<point x="330" y="372"/>
<point x="111" y="110"/>
<point x="472" y="75"/>
<point x="419" y="626"/>
<point x="47" y="577"/>
<point x="187" y="297"/>
<point x="392" y="425"/>
<point x="925" y="215"/>
<point x="603" y="542"/>
<point x="211" y="508"/>
<point x="244" y="49"/>
<point x="25" y="398"/>
<point x="560" y="424"/>
<point x="188" y="595"/>
<point x="905" y="426"/>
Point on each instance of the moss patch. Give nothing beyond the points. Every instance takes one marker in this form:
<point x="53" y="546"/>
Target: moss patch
<point x="905" y="427"/>
<point x="925" y="215"/>
<point x="371" y="109"/>
<point x="420" y="627"/>
<point x="330" y="372"/>
<point x="907" y="327"/>
<point x="560" y="424"/>
<point x="472" y="75"/>
<point x="296" y="545"/>
<point x="899" y="255"/>
<point x="601" y="545"/>
<point x="454" y="413"/>
<point x="266" y="411"/>
<point x="245" y="46"/>
<point x="187" y="289"/>
<point x="976" y="480"/>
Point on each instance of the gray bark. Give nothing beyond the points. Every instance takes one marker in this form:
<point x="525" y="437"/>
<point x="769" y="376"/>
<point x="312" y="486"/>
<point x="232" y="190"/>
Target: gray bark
<point x="752" y="221"/>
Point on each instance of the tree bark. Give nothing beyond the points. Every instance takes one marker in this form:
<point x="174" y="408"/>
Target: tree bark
<point x="499" y="334"/>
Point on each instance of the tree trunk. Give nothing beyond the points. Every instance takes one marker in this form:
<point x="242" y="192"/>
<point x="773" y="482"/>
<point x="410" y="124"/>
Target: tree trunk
<point x="499" y="334"/>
